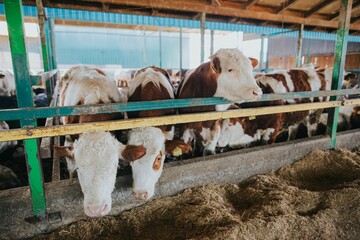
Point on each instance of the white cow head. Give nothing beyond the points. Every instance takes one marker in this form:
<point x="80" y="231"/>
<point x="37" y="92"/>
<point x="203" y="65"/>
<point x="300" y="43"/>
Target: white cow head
<point x="145" y="153"/>
<point x="235" y="81"/>
<point x="147" y="169"/>
<point x="95" y="156"/>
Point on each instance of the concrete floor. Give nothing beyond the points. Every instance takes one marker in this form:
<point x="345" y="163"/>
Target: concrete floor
<point x="231" y="167"/>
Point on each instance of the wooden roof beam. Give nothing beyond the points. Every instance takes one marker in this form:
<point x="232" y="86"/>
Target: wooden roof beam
<point x="233" y="20"/>
<point x="286" y="5"/>
<point x="336" y="14"/>
<point x="229" y="9"/>
<point x="317" y="7"/>
<point x="355" y="19"/>
<point x="249" y="4"/>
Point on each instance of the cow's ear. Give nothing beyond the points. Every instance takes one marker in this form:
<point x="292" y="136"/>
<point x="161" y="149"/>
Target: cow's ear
<point x="66" y="151"/>
<point x="254" y="62"/>
<point x="177" y="148"/>
<point x="215" y="64"/>
<point x="130" y="153"/>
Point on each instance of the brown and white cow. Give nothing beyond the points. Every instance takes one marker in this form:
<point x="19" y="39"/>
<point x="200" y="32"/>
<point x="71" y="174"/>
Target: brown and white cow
<point x="151" y="84"/>
<point x="229" y="75"/>
<point x="244" y="131"/>
<point x="298" y="80"/>
<point x="94" y="155"/>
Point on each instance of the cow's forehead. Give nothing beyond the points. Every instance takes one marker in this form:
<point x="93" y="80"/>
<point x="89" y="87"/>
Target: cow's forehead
<point x="232" y="55"/>
<point x="95" y="148"/>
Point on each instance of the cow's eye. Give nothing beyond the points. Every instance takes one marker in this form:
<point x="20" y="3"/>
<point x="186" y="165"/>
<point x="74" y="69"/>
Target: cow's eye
<point x="230" y="70"/>
<point x="157" y="162"/>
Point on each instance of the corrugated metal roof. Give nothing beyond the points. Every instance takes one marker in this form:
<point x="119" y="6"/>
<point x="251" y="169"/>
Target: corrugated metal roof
<point x="118" y="18"/>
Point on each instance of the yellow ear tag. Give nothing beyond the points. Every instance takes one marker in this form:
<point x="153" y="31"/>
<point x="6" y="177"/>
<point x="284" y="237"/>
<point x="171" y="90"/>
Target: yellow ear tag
<point x="252" y="117"/>
<point x="177" y="152"/>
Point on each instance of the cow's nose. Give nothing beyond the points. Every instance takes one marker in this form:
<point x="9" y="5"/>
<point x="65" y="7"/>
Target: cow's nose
<point x="141" y="195"/>
<point x="257" y="93"/>
<point x="97" y="210"/>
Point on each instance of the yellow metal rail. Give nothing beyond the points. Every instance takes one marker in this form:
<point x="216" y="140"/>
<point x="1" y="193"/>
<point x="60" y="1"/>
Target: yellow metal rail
<point x="40" y="132"/>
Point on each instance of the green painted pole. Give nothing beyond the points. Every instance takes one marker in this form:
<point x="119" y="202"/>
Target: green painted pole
<point x="52" y="43"/>
<point x="42" y="20"/>
<point x="299" y="46"/>
<point x="48" y="44"/>
<point x="44" y="48"/>
<point x="15" y="22"/>
<point x="339" y="63"/>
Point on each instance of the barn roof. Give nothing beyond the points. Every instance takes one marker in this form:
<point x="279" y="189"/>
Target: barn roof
<point x="317" y="15"/>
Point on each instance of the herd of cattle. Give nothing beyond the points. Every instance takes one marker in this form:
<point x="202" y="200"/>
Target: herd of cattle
<point x="229" y="74"/>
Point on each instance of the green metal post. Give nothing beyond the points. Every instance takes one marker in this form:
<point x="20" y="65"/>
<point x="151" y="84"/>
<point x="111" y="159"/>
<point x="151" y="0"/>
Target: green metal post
<point x="44" y="48"/>
<point x="42" y="20"/>
<point x="48" y="44"/>
<point x="52" y="43"/>
<point x="15" y="22"/>
<point x="339" y="63"/>
<point x="299" y="46"/>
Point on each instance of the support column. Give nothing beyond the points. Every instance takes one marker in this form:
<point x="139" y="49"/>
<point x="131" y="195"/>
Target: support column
<point x="145" y="62"/>
<point x="52" y="43"/>
<point x="160" y="47"/>
<point x="202" y="29"/>
<point x="181" y="49"/>
<point x="299" y="46"/>
<point x="211" y="42"/>
<point x="261" y="52"/>
<point x="15" y="22"/>
<point x="42" y="22"/>
<point x="267" y="55"/>
<point x="339" y="63"/>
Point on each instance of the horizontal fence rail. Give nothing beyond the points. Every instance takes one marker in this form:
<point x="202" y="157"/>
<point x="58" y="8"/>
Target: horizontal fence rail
<point x="41" y="78"/>
<point x="15" y="114"/>
<point x="39" y="132"/>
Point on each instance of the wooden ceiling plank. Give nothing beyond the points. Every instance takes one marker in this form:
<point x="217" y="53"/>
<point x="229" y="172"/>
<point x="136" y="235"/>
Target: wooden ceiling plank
<point x="229" y="9"/>
<point x="250" y="3"/>
<point x="285" y="5"/>
<point x="317" y="7"/>
<point x="355" y="19"/>
<point x="336" y="14"/>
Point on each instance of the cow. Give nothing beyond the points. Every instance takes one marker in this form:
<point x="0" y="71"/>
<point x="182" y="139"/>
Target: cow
<point x="7" y="83"/>
<point x="123" y="79"/>
<point x="8" y="144"/>
<point x="177" y="78"/>
<point x="94" y="155"/>
<point x="298" y="80"/>
<point x="228" y="75"/>
<point x="244" y="131"/>
<point x="150" y="84"/>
